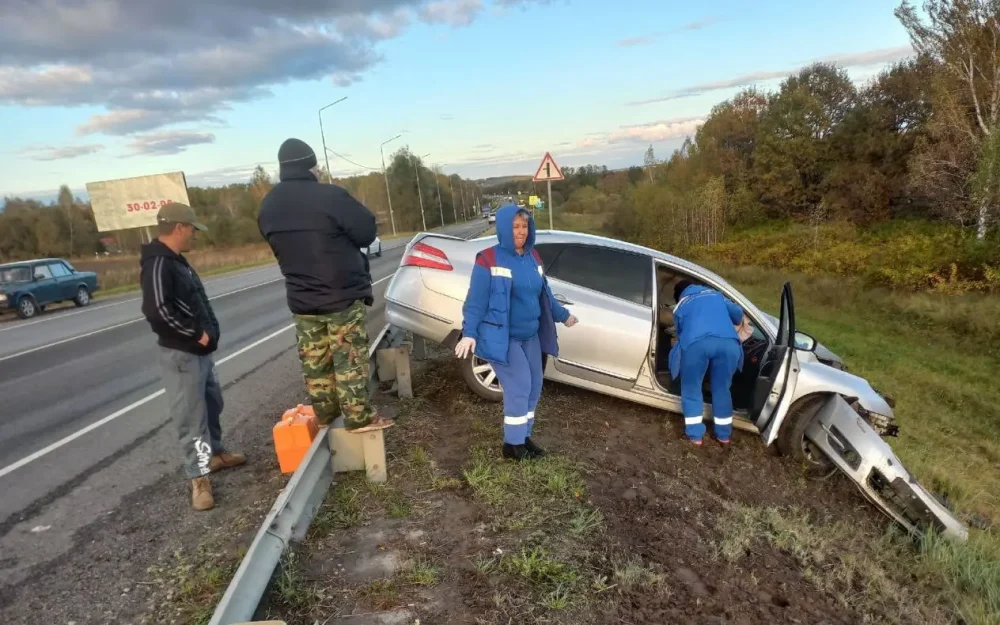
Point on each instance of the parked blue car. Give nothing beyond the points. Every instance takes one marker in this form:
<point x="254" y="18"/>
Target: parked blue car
<point x="28" y="287"/>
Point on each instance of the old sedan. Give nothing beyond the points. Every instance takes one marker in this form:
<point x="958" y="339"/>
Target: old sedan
<point x="792" y="391"/>
<point x="28" y="287"/>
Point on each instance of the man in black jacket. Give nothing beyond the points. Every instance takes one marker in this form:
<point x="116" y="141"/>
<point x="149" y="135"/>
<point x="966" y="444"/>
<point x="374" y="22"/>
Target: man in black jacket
<point x="176" y="306"/>
<point x="316" y="232"/>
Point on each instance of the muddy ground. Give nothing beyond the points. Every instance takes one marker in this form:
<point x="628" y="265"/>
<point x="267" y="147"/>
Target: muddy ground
<point x="624" y="523"/>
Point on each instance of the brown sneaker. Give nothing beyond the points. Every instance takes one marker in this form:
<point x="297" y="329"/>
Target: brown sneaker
<point x="201" y="494"/>
<point x="225" y="460"/>
<point x="378" y="423"/>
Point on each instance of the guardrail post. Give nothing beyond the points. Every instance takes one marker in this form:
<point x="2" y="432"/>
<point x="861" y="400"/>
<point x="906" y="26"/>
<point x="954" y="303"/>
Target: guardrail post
<point x="419" y="348"/>
<point x="358" y="452"/>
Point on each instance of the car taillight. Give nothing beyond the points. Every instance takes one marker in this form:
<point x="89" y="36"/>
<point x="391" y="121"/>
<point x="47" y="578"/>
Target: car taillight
<point x="426" y="256"/>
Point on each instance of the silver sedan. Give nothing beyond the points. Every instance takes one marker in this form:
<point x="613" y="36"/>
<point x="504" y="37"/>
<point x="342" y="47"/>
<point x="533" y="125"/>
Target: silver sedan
<point x="793" y="392"/>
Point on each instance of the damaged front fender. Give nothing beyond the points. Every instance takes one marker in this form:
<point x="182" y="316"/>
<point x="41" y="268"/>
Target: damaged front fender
<point x="857" y="450"/>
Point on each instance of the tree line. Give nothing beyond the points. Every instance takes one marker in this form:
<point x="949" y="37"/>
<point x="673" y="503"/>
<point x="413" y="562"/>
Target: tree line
<point x="66" y="227"/>
<point x="920" y="140"/>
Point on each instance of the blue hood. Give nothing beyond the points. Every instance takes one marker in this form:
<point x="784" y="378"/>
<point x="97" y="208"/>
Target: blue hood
<point x="505" y="229"/>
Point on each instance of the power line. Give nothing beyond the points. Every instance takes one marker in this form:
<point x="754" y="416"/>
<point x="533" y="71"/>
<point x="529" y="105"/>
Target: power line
<point x="352" y="162"/>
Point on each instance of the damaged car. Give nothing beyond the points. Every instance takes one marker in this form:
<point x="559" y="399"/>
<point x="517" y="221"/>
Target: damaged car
<point x="794" y="392"/>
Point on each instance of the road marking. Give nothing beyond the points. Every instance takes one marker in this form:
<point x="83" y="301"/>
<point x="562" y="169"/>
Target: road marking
<point x="17" y="326"/>
<point x="145" y="400"/>
<point x="124" y="323"/>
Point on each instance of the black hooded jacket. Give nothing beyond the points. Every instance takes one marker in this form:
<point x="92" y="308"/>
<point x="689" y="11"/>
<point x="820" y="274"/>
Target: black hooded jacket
<point x="316" y="232"/>
<point x="174" y="301"/>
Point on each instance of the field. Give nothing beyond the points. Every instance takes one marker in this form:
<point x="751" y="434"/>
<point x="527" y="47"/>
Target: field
<point x="623" y="523"/>
<point x="121" y="273"/>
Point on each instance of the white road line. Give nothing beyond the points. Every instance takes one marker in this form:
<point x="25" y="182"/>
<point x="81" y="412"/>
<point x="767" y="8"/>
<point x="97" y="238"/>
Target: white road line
<point x="18" y="326"/>
<point x="118" y="325"/>
<point x="145" y="400"/>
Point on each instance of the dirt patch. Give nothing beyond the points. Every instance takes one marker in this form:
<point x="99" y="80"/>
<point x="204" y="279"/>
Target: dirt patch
<point x="624" y="522"/>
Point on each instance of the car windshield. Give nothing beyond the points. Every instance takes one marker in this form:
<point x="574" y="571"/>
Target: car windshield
<point x="15" y="274"/>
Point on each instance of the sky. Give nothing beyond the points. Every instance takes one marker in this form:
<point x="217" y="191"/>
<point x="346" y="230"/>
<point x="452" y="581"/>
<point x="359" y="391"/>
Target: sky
<point x="103" y="89"/>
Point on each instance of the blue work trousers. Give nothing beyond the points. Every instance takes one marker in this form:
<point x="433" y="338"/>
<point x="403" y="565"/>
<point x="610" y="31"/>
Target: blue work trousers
<point x="521" y="379"/>
<point x="719" y="358"/>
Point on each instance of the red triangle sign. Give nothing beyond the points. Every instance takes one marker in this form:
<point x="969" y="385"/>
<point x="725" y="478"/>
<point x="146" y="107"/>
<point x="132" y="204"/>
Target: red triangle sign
<point x="548" y="170"/>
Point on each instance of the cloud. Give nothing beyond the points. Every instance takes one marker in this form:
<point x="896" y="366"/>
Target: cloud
<point x="642" y="40"/>
<point x="168" y="142"/>
<point x="651" y="132"/>
<point x="225" y="176"/>
<point x="155" y="64"/>
<point x="858" y="59"/>
<point x="447" y="118"/>
<point x="65" y="152"/>
<point x="452" y="12"/>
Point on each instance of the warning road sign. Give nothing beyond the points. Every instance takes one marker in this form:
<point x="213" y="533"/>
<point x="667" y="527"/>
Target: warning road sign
<point x="548" y="170"/>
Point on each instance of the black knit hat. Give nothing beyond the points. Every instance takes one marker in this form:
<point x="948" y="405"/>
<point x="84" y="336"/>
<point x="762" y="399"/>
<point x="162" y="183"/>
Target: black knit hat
<point x="297" y="153"/>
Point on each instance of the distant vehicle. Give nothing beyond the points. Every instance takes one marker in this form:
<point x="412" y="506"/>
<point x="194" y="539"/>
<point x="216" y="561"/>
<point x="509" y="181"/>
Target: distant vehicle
<point x="375" y="249"/>
<point x="28" y="287"/>
<point x="792" y="390"/>
<point x="492" y="218"/>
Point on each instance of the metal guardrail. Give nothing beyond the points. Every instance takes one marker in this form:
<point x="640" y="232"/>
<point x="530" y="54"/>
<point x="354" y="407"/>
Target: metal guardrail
<point x="289" y="518"/>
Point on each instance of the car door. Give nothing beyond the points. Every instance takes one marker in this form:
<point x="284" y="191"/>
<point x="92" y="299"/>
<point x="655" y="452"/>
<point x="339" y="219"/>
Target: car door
<point x="775" y="387"/>
<point x="45" y="288"/>
<point x="65" y="283"/>
<point x="610" y="293"/>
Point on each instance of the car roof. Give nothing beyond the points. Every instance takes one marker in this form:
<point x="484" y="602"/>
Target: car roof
<point x="21" y="263"/>
<point x="562" y="236"/>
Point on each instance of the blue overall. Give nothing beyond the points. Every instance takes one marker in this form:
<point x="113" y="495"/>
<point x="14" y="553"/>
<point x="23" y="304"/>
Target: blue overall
<point x="511" y="313"/>
<point x="707" y="342"/>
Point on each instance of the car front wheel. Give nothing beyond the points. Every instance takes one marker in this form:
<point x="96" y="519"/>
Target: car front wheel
<point x="792" y="441"/>
<point x="26" y="308"/>
<point x="82" y="296"/>
<point x="482" y="379"/>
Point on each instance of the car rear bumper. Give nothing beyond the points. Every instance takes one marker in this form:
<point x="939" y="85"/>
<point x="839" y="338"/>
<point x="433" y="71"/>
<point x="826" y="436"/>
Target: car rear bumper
<point x="413" y="307"/>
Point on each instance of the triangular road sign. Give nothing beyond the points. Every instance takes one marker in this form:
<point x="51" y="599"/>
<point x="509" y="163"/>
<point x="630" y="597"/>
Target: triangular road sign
<point x="548" y="170"/>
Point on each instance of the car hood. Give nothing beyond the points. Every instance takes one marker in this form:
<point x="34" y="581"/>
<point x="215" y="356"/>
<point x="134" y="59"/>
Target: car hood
<point x="822" y="352"/>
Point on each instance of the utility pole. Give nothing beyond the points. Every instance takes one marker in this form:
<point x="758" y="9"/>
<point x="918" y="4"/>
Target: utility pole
<point x="388" y="195"/>
<point x="323" y="135"/>
<point x="416" y="172"/>
<point x="454" y="206"/>
<point x="461" y="187"/>
<point x="437" y="180"/>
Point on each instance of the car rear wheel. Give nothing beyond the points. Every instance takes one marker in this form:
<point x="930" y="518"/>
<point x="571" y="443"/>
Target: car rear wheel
<point x="82" y="296"/>
<point x="27" y="308"/>
<point x="792" y="441"/>
<point x="482" y="379"/>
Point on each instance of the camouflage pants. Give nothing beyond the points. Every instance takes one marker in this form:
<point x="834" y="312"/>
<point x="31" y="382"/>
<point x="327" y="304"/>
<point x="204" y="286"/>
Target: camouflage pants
<point x="333" y="349"/>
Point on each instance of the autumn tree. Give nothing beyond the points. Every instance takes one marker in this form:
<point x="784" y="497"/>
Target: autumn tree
<point x="963" y="37"/>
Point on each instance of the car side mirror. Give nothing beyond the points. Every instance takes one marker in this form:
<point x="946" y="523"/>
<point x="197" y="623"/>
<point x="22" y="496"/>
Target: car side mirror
<point x="804" y="342"/>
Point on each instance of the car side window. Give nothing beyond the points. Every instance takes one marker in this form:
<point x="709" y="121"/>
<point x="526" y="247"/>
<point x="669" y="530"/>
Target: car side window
<point x="549" y="252"/>
<point x="59" y="270"/>
<point x="613" y="272"/>
<point x="42" y="272"/>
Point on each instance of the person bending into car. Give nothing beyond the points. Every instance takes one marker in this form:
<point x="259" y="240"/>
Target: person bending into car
<point x="509" y="320"/>
<point x="707" y="341"/>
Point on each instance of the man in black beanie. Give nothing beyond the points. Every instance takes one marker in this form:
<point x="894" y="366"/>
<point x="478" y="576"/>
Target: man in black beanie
<point x="316" y="232"/>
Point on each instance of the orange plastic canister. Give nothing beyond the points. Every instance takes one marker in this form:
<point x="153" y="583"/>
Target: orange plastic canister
<point x="293" y="436"/>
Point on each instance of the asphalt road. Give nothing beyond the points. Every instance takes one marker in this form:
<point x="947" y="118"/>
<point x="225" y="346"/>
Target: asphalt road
<point x="83" y="422"/>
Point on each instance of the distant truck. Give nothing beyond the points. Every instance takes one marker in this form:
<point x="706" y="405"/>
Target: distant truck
<point x="28" y="287"/>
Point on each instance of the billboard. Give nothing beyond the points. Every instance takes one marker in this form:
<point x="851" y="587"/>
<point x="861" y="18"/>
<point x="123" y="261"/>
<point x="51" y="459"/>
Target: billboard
<point x="134" y="202"/>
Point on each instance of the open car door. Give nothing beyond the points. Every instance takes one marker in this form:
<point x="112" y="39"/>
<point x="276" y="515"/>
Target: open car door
<point x="775" y="387"/>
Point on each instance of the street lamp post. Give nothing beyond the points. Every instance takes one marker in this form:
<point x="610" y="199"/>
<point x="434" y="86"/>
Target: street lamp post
<point x="388" y="195"/>
<point x="461" y="187"/>
<point x="323" y="135"/>
<point x="420" y="197"/>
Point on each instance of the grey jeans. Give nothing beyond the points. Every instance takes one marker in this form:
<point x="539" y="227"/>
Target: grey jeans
<point x="195" y="400"/>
